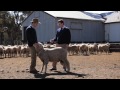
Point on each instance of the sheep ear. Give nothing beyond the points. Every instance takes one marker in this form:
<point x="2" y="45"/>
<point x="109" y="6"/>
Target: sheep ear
<point x="39" y="43"/>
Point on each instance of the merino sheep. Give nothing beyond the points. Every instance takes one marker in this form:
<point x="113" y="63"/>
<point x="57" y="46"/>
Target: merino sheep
<point x="53" y="55"/>
<point x="1" y="51"/>
<point x="83" y="48"/>
<point x="7" y="50"/>
<point x="93" y="48"/>
<point x="73" y="49"/>
<point x="104" y="47"/>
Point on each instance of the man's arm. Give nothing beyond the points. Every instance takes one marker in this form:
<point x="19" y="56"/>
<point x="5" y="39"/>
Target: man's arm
<point x="68" y="36"/>
<point x="31" y="37"/>
<point x="54" y="39"/>
<point x="28" y="35"/>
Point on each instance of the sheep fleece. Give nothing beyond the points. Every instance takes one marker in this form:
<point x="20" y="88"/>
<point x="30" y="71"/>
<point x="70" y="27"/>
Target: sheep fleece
<point x="54" y="54"/>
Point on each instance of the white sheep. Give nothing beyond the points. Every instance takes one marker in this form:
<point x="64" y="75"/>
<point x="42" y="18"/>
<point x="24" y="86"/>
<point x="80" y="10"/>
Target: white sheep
<point x="104" y="47"/>
<point x="93" y="48"/>
<point x="1" y="51"/>
<point x="53" y="55"/>
<point x="73" y="49"/>
<point x="83" y="49"/>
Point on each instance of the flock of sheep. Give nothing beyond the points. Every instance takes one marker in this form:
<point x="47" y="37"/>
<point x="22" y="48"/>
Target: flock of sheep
<point x="87" y="49"/>
<point x="10" y="51"/>
<point x="73" y="49"/>
<point x="51" y="53"/>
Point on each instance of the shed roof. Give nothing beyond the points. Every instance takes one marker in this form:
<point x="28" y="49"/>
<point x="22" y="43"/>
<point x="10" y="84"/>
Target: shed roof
<point x="71" y="14"/>
<point x="113" y="18"/>
<point x="67" y="14"/>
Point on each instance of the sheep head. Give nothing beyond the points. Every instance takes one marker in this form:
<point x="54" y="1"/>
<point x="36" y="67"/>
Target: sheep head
<point x="40" y="46"/>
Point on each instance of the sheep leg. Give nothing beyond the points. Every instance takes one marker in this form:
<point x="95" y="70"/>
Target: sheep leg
<point x="67" y="64"/>
<point x="0" y="54"/>
<point x="42" y="67"/>
<point x="5" y="55"/>
<point x="20" y="54"/>
<point x="64" y="67"/>
<point x="45" y="68"/>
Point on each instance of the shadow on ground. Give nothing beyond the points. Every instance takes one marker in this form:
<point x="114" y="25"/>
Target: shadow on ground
<point x="44" y="76"/>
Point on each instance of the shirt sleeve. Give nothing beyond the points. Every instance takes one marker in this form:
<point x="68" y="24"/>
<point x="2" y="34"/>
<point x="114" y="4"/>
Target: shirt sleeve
<point x="55" y="39"/>
<point x="68" y="36"/>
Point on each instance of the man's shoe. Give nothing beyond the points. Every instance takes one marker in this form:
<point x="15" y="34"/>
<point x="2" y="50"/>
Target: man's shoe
<point x="53" y="69"/>
<point x="34" y="71"/>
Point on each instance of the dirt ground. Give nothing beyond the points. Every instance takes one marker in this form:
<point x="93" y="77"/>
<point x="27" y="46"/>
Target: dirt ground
<point x="82" y="67"/>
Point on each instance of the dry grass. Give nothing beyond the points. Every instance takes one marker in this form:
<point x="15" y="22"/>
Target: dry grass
<point x="82" y="67"/>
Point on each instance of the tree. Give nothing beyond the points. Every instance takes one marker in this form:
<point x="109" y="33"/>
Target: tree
<point x="12" y="20"/>
<point x="3" y="22"/>
<point x="19" y="16"/>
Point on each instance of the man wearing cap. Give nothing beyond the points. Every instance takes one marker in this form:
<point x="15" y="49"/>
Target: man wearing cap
<point x="32" y="42"/>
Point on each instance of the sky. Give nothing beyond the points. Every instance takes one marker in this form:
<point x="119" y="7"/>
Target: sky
<point x="98" y="11"/>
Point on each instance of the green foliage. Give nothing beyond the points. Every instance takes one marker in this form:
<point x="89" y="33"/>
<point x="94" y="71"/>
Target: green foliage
<point x="12" y="20"/>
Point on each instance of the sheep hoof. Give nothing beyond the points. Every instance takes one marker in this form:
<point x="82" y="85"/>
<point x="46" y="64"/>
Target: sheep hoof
<point x="44" y="73"/>
<point x="68" y="71"/>
<point x="65" y="70"/>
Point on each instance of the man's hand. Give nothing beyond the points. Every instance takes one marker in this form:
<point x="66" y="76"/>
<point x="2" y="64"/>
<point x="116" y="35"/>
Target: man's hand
<point x="51" y="41"/>
<point x="36" y="45"/>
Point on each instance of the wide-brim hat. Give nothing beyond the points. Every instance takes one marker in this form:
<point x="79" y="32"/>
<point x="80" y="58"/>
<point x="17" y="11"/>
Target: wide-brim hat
<point x="35" y="20"/>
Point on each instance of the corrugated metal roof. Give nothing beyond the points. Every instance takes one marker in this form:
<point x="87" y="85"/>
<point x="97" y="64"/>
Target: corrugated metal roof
<point x="114" y="17"/>
<point x="71" y="14"/>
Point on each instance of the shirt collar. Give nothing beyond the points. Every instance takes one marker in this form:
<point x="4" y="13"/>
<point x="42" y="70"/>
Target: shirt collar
<point x="32" y="26"/>
<point x="60" y="28"/>
<point x="64" y="27"/>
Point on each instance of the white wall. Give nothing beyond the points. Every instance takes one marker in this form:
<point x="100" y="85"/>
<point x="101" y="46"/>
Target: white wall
<point x="112" y="32"/>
